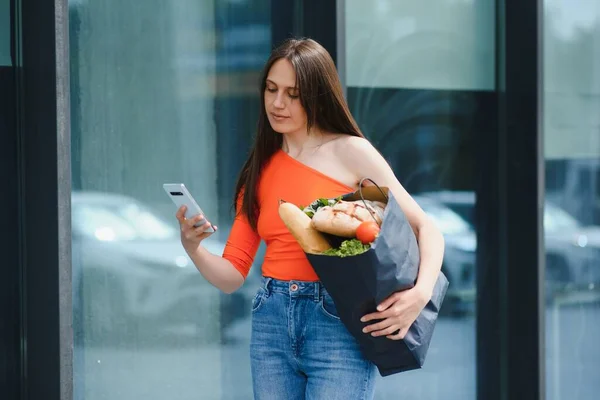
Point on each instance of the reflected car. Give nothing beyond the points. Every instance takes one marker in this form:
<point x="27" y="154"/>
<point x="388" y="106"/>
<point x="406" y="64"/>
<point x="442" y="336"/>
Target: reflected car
<point x="572" y="250"/>
<point x="132" y="279"/>
<point x="459" y="255"/>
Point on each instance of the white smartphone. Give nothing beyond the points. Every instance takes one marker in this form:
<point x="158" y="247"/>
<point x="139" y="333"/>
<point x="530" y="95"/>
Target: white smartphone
<point x="182" y="197"/>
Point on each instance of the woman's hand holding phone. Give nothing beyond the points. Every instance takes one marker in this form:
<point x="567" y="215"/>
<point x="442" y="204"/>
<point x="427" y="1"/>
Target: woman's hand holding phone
<point x="191" y="236"/>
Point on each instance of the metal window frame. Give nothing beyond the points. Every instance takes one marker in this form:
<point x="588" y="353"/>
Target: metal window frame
<point x="315" y="19"/>
<point x="511" y="261"/>
<point x="10" y="281"/>
<point x="510" y="320"/>
<point x="523" y="177"/>
<point x="44" y="197"/>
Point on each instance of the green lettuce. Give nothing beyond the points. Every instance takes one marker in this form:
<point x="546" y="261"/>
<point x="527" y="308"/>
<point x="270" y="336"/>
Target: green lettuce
<point x="312" y="208"/>
<point x="350" y="247"/>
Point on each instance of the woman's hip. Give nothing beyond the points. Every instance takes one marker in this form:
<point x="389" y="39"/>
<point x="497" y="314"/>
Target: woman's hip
<point x="300" y="316"/>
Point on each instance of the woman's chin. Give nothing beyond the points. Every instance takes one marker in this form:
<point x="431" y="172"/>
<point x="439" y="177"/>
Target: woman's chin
<point x="280" y="128"/>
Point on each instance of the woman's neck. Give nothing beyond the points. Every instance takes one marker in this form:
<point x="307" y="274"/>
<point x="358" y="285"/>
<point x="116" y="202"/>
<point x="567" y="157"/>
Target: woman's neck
<point x="297" y="143"/>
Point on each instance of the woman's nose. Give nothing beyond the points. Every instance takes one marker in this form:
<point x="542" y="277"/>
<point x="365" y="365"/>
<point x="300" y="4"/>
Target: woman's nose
<point x="278" y="102"/>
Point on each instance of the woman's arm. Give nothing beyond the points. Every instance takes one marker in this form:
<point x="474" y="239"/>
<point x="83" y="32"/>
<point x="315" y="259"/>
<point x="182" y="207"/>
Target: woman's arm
<point x="226" y="273"/>
<point x="217" y="270"/>
<point x="365" y="161"/>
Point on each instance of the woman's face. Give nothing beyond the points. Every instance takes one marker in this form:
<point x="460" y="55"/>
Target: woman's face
<point x="282" y="99"/>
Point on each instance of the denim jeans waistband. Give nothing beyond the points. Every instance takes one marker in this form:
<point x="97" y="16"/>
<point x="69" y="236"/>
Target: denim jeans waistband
<point x="294" y="288"/>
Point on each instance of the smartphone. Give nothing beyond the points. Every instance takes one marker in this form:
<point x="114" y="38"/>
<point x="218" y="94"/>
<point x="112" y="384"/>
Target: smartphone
<point x="182" y="197"/>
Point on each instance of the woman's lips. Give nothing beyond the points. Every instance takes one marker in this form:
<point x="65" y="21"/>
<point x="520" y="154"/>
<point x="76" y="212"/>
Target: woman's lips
<point x="278" y="117"/>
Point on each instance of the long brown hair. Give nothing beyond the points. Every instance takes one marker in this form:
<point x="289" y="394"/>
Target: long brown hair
<point x="321" y="97"/>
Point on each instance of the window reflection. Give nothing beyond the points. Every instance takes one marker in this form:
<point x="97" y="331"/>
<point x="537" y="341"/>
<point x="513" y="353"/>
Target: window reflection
<point x="556" y="219"/>
<point x="112" y="217"/>
<point x="425" y="120"/>
<point x="572" y="208"/>
<point x="449" y="222"/>
<point x="160" y="92"/>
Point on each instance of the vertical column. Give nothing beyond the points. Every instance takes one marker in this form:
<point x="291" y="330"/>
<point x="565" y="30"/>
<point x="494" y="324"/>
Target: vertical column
<point x="510" y="314"/>
<point x="45" y="203"/>
<point x="10" y="321"/>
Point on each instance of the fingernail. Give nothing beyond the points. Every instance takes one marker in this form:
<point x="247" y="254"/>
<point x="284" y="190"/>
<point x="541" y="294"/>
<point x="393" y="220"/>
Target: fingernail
<point x="363" y="319"/>
<point x="364" y="330"/>
<point x="379" y="308"/>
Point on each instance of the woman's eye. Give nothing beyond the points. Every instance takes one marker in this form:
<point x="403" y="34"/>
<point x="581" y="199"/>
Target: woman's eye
<point x="272" y="90"/>
<point x="293" y="96"/>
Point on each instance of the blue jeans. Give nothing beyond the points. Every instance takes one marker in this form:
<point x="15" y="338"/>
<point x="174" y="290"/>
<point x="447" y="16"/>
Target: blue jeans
<point x="299" y="348"/>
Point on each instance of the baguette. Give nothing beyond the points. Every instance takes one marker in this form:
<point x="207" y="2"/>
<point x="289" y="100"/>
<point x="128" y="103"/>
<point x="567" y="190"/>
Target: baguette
<point x="298" y="223"/>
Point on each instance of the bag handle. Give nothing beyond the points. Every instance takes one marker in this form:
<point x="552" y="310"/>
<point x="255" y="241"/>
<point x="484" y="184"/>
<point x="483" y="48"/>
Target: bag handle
<point x="360" y="185"/>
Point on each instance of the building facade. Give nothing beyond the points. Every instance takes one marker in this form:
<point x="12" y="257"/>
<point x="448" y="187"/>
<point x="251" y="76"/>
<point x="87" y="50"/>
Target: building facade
<point x="488" y="112"/>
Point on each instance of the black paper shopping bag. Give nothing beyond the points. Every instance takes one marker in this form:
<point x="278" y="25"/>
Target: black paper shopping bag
<point x="358" y="283"/>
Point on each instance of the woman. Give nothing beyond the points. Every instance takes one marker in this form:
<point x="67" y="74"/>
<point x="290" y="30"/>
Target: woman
<point x="307" y="146"/>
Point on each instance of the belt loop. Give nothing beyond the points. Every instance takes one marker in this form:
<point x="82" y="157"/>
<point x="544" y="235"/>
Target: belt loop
<point x="266" y="283"/>
<point x="317" y="294"/>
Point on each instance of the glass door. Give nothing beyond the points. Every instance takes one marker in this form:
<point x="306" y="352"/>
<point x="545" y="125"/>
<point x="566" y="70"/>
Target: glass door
<point x="160" y="92"/>
<point x="571" y="99"/>
<point x="420" y="80"/>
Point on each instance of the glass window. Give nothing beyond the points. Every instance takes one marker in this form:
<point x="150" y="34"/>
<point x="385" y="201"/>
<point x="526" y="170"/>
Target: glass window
<point x="161" y="92"/>
<point x="451" y="48"/>
<point x="445" y="219"/>
<point x="571" y="99"/>
<point x="124" y="220"/>
<point x="421" y="86"/>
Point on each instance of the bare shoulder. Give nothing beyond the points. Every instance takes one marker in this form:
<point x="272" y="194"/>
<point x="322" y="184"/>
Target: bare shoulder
<point x="360" y="156"/>
<point x="363" y="160"/>
<point x="345" y="143"/>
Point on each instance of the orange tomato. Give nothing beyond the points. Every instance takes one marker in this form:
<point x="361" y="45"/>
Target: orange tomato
<point x="367" y="232"/>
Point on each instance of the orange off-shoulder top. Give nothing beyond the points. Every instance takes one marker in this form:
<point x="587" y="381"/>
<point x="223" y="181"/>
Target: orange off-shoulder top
<point x="285" y="178"/>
